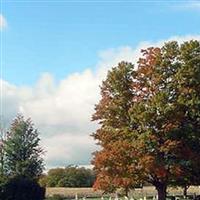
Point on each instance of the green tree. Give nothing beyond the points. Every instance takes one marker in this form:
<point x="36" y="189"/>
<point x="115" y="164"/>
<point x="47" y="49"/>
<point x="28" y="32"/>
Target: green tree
<point x="71" y="176"/>
<point x="54" y="176"/>
<point x="2" y="157"/>
<point x="188" y="100"/>
<point x="77" y="177"/>
<point x="22" y="151"/>
<point x="167" y="113"/>
<point x="2" y="152"/>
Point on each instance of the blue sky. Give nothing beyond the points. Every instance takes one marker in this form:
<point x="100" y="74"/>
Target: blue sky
<point x="62" y="37"/>
<point x="55" y="55"/>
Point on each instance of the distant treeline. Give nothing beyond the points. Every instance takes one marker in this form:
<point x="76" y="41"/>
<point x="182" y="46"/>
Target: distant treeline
<point x="71" y="176"/>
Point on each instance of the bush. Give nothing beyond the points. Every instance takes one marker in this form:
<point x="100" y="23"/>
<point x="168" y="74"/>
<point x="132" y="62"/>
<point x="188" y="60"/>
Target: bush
<point x="20" y="188"/>
<point x="3" y="181"/>
<point x="43" y="180"/>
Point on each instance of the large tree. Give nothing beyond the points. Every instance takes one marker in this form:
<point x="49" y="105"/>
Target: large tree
<point x="155" y="110"/>
<point x="23" y="154"/>
<point x="115" y="164"/>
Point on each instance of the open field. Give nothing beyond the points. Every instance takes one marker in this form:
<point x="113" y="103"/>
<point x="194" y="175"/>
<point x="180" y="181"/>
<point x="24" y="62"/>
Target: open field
<point x="137" y="193"/>
<point x="71" y="192"/>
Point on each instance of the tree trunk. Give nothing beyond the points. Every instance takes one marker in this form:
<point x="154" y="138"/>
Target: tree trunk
<point x="185" y="190"/>
<point x="162" y="191"/>
<point x="126" y="191"/>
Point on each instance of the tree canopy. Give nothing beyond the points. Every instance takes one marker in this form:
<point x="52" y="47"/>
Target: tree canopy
<point x="149" y="117"/>
<point x="21" y="162"/>
<point x="23" y="154"/>
<point x="70" y="176"/>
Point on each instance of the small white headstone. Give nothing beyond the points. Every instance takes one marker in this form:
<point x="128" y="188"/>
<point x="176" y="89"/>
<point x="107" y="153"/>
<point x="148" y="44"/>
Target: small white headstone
<point x="156" y="197"/>
<point x="116" y="196"/>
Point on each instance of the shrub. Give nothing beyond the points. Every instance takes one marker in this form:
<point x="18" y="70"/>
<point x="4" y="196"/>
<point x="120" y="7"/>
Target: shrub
<point x="20" y="188"/>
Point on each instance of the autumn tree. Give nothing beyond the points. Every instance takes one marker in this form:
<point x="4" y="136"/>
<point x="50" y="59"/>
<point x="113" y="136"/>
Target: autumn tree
<point x="168" y="114"/>
<point x="159" y="120"/>
<point x="114" y="164"/>
<point x="158" y="144"/>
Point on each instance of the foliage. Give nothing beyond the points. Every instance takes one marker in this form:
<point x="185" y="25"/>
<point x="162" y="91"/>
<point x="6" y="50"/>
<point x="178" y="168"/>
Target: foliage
<point x="21" y="188"/>
<point x="43" y="180"/>
<point x="70" y="176"/>
<point x="3" y="182"/>
<point x="21" y="162"/>
<point x="23" y="154"/>
<point x="114" y="163"/>
<point x="54" y="176"/>
<point x="2" y="152"/>
<point x="2" y="157"/>
<point x="150" y="120"/>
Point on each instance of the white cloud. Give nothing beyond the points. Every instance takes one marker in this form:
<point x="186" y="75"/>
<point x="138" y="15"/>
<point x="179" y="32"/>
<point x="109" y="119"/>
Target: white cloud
<point x="188" y="5"/>
<point x="3" y="22"/>
<point x="111" y="57"/>
<point x="62" y="111"/>
<point x="69" y="149"/>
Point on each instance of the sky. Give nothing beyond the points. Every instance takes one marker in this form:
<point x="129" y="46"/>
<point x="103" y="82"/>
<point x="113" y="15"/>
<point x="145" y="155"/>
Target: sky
<point x="55" y="54"/>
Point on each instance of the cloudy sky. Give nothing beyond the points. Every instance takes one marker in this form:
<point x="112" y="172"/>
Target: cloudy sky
<point x="55" y="54"/>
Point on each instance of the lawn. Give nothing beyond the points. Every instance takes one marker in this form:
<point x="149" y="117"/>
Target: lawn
<point x="89" y="193"/>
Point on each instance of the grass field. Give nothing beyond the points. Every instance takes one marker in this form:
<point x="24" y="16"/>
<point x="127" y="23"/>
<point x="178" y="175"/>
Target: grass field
<point x="137" y="193"/>
<point x="71" y="192"/>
